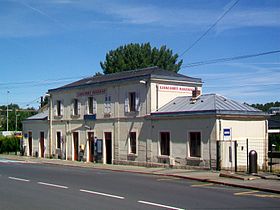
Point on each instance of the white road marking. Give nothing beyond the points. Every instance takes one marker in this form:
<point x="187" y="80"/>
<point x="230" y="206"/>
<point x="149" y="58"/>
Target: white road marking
<point x="168" y="179"/>
<point x="9" y="161"/>
<point x="160" y="205"/>
<point x="246" y="193"/>
<point x="104" y="194"/>
<point x="19" y="179"/>
<point x="53" y="185"/>
<point x="202" y="185"/>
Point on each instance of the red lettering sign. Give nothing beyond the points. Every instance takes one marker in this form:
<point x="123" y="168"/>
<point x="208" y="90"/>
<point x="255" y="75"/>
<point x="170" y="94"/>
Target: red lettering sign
<point x="91" y="92"/>
<point x="174" y="88"/>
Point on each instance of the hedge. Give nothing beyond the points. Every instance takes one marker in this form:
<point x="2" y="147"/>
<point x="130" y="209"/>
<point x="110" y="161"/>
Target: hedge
<point x="9" y="144"/>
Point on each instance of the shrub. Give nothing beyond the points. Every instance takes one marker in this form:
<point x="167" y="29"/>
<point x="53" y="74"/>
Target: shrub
<point x="9" y="144"/>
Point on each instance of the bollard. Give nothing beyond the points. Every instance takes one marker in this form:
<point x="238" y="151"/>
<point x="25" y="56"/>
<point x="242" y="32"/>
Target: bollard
<point x="253" y="162"/>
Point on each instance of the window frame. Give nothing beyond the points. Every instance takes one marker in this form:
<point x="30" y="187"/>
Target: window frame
<point x="59" y="145"/>
<point x="168" y="148"/>
<point x="132" y="101"/>
<point x="58" y="108"/>
<point x="197" y="151"/>
<point x="75" y="107"/>
<point x="107" y="104"/>
<point x="130" y="150"/>
<point x="90" y="105"/>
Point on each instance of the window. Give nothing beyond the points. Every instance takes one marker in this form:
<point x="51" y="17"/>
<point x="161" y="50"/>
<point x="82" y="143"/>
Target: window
<point x="165" y="143"/>
<point x="92" y="105"/>
<point x="58" y="108"/>
<point x="195" y="144"/>
<point x="132" y="142"/>
<point x="58" y="140"/>
<point x="107" y="105"/>
<point x="132" y="101"/>
<point x="75" y="107"/>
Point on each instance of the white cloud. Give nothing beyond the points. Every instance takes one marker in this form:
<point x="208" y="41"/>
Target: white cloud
<point x="37" y="18"/>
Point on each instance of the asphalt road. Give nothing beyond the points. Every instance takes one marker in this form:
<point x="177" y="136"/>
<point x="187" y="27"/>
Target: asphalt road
<point x="39" y="186"/>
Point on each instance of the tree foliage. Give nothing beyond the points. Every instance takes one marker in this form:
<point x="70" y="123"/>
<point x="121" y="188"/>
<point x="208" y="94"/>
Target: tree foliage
<point x="9" y="144"/>
<point x="135" y="56"/>
<point x="265" y="107"/>
<point x="16" y="115"/>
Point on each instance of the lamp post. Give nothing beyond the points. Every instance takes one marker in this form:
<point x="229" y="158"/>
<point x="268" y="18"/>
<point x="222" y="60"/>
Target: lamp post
<point x="17" y="115"/>
<point x="8" y="110"/>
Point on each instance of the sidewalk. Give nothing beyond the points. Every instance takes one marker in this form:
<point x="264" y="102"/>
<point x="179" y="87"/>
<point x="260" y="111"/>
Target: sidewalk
<point x="261" y="181"/>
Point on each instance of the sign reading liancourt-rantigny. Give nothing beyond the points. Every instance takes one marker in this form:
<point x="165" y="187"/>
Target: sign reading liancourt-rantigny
<point x="91" y="92"/>
<point x="175" y="88"/>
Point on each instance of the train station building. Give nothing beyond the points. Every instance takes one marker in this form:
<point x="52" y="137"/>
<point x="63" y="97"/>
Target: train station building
<point x="146" y="117"/>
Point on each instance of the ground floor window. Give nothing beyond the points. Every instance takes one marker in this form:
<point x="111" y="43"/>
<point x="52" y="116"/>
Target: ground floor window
<point x="195" y="144"/>
<point x="58" y="140"/>
<point x="132" y="142"/>
<point x="165" y="143"/>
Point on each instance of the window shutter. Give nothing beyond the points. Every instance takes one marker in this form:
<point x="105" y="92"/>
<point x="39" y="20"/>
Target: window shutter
<point x="94" y="106"/>
<point x="105" y="105"/>
<point x="72" y="107"/>
<point x="87" y="107"/>
<point x="137" y="101"/>
<point x="79" y="107"/>
<point x="55" y="109"/>
<point x="126" y="103"/>
<point x="61" y="108"/>
<point x="109" y="107"/>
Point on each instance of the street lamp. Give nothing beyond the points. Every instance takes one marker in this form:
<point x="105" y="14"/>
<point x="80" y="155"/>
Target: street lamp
<point x="8" y="110"/>
<point x="17" y="115"/>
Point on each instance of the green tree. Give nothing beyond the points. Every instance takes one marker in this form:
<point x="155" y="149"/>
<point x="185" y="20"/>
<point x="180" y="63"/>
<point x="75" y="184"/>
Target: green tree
<point x="135" y="56"/>
<point x="265" y="107"/>
<point x="16" y="115"/>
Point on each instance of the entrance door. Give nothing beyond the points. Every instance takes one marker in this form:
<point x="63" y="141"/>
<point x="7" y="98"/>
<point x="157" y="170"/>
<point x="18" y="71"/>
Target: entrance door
<point x="42" y="144"/>
<point x="30" y="143"/>
<point x="108" y="147"/>
<point x="91" y="146"/>
<point x="227" y="155"/>
<point x="76" y="145"/>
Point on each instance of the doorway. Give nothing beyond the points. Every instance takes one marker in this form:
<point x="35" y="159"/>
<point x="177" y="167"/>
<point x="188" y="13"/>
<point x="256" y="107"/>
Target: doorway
<point x="75" y="145"/>
<point x="42" y="144"/>
<point x="30" y="143"/>
<point x="108" y="147"/>
<point x="227" y="155"/>
<point x="91" y="146"/>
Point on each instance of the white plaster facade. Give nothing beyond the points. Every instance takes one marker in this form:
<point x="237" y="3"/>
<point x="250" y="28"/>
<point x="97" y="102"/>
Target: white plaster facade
<point x="112" y="121"/>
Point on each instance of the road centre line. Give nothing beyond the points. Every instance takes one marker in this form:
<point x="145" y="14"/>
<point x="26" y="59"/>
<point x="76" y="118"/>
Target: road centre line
<point x="52" y="185"/>
<point x="160" y="205"/>
<point x="168" y="179"/>
<point x="19" y="179"/>
<point x="246" y="192"/>
<point x="100" y="193"/>
<point x="202" y="185"/>
<point x="266" y="196"/>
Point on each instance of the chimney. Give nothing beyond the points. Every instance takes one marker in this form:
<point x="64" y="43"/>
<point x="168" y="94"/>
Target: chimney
<point x="195" y="94"/>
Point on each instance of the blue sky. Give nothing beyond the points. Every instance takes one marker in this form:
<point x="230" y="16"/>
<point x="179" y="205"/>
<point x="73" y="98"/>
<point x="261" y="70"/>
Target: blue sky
<point x="47" y="43"/>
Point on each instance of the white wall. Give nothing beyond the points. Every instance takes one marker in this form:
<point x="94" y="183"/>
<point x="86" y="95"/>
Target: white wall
<point x="253" y="130"/>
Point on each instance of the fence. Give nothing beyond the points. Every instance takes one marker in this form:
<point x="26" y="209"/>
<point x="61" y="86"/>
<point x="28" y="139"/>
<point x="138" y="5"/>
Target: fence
<point x="233" y="155"/>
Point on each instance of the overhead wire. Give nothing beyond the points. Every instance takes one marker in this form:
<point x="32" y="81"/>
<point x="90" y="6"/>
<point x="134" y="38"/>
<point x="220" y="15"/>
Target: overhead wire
<point x="220" y="60"/>
<point x="209" y="29"/>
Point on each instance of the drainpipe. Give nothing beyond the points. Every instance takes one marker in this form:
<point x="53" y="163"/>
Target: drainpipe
<point x="156" y="97"/>
<point x="50" y="125"/>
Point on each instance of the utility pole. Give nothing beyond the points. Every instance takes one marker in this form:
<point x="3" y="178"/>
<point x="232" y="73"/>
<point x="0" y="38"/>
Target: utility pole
<point x="8" y="110"/>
